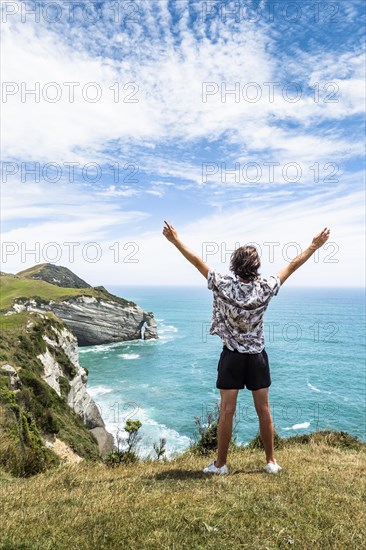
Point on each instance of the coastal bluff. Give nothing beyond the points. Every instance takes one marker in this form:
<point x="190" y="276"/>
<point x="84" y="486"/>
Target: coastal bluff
<point x="93" y="314"/>
<point x="46" y="412"/>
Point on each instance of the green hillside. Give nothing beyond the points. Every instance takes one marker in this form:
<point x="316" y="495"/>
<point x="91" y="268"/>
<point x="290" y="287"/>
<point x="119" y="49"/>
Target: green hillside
<point x="21" y="287"/>
<point x="30" y="271"/>
<point x="316" y="502"/>
<point x="54" y="274"/>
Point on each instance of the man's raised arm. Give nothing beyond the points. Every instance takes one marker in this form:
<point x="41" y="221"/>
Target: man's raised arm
<point x="317" y="242"/>
<point x="170" y="233"/>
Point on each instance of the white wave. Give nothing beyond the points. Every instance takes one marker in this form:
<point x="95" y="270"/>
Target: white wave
<point x="167" y="333"/>
<point x="298" y="426"/>
<point x="126" y="344"/>
<point x="98" y="348"/>
<point x="98" y="390"/>
<point x="150" y="432"/>
<point x="129" y="355"/>
<point x="167" y="328"/>
<point x="314" y="388"/>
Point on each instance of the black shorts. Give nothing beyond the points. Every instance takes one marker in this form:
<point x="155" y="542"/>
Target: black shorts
<point x="236" y="370"/>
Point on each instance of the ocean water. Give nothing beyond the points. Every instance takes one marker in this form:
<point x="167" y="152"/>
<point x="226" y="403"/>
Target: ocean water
<point x="315" y="340"/>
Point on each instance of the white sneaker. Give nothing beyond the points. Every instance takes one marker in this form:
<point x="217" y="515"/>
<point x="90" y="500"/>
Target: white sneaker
<point x="273" y="468"/>
<point x="212" y="469"/>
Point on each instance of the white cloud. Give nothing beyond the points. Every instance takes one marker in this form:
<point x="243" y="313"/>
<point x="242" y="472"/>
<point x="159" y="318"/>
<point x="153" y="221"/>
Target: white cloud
<point x="260" y="224"/>
<point x="169" y="119"/>
<point x="113" y="191"/>
<point x="170" y="94"/>
<point x="157" y="192"/>
<point x="63" y="212"/>
<point x="122" y="239"/>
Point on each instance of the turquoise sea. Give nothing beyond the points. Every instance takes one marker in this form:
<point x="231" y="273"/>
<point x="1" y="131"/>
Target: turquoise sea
<point x="315" y="340"/>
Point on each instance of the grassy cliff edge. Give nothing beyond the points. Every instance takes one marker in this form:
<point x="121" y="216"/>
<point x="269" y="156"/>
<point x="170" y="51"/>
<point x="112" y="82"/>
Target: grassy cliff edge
<point x="17" y="288"/>
<point x="317" y="501"/>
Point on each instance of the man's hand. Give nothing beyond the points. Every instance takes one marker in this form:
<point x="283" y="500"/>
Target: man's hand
<point x="320" y="239"/>
<point x="317" y="242"/>
<point x="170" y="233"/>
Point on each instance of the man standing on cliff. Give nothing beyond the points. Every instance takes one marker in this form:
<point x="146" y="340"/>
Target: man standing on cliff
<point x="239" y="304"/>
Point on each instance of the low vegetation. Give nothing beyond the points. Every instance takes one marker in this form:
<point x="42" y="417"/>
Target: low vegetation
<point x="35" y="409"/>
<point x="317" y="501"/>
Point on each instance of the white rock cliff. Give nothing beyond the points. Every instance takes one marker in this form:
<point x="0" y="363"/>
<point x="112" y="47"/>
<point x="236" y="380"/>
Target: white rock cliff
<point x="78" y="397"/>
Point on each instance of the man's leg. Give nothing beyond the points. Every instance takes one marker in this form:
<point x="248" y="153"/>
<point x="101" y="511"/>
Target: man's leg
<point x="261" y="404"/>
<point x="225" y="427"/>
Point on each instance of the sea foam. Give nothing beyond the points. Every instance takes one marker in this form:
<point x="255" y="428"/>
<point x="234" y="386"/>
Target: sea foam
<point x="314" y="388"/>
<point x="98" y="390"/>
<point x="298" y="426"/>
<point x="150" y="432"/>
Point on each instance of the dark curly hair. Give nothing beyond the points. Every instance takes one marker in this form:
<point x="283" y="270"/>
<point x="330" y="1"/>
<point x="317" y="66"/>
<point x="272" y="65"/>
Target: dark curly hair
<point x="245" y="262"/>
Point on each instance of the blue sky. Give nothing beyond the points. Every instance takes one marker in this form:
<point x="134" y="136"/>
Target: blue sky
<point x="176" y="137"/>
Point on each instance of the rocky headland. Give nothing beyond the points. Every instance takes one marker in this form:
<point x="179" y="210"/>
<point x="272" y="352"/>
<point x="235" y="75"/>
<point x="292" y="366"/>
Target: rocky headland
<point x="46" y="411"/>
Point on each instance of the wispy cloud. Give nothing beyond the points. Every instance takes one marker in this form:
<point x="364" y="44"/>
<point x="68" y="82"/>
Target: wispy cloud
<point x="150" y="144"/>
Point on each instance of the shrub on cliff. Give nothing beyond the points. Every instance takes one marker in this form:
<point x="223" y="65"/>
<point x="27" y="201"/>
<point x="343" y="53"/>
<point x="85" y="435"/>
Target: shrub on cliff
<point x="205" y="433"/>
<point x="128" y="455"/>
<point x="22" y="451"/>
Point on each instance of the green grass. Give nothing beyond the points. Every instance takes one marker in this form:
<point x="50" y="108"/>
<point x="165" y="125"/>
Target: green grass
<point x="31" y="270"/>
<point x="317" y="501"/>
<point x="13" y="287"/>
<point x="13" y="323"/>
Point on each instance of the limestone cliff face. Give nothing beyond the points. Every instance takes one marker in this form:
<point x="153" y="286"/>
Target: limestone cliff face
<point x="93" y="314"/>
<point x="96" y="320"/>
<point x="78" y="397"/>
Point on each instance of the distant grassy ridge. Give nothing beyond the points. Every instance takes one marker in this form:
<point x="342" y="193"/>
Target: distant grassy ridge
<point x="317" y="502"/>
<point x="31" y="270"/>
<point x="21" y="287"/>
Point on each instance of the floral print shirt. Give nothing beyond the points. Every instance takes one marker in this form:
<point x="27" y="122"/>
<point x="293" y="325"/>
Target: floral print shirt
<point x="238" y="309"/>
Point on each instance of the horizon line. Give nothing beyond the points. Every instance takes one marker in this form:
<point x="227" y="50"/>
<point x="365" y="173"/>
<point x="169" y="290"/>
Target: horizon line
<point x="200" y="286"/>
